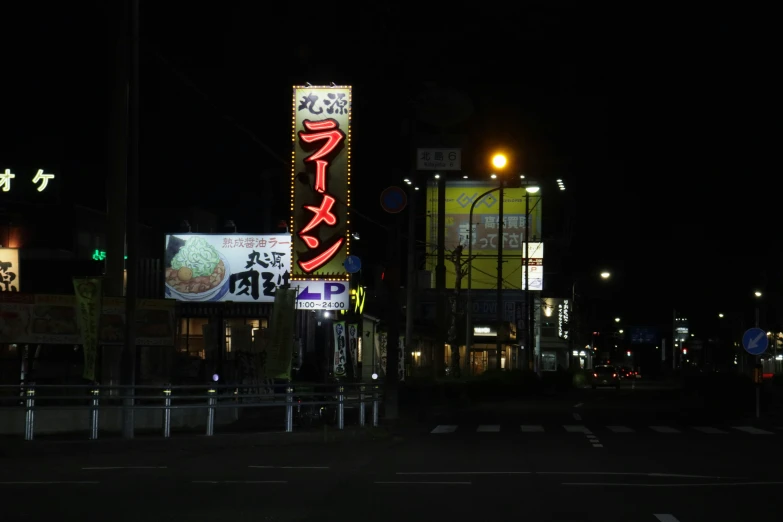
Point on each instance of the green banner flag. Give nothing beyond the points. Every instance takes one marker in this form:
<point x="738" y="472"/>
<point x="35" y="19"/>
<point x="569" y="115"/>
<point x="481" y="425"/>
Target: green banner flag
<point x="88" y="312"/>
<point x="279" y="350"/>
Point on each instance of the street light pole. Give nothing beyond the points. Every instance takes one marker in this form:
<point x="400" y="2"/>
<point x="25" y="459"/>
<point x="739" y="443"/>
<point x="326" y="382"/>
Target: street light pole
<point x="526" y="286"/>
<point x="468" y="297"/>
<point x="499" y="310"/>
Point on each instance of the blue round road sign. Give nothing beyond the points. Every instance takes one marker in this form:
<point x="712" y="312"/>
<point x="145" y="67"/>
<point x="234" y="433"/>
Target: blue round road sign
<point x="393" y="200"/>
<point x="352" y="264"/>
<point x="755" y="341"/>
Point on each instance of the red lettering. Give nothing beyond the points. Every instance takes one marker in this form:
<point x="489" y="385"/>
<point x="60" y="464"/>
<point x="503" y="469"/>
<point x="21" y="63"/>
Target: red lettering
<point x="322" y="258"/>
<point x="321" y="214"/>
<point x="333" y="139"/>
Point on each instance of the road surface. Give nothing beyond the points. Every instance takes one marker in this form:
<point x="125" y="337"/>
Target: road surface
<point x="630" y="457"/>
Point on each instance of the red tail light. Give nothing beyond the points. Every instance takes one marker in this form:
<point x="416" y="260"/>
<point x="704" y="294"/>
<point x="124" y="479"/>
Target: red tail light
<point x="595" y="375"/>
<point x="614" y="375"/>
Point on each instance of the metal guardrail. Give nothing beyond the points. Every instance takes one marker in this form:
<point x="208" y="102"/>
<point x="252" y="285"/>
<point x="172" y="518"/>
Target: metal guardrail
<point x="232" y="396"/>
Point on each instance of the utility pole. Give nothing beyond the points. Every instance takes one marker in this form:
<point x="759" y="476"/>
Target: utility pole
<point x="526" y="286"/>
<point x="411" y="286"/>
<point x="440" y="282"/>
<point x="132" y="224"/>
<point x="393" y="321"/>
<point x="498" y="337"/>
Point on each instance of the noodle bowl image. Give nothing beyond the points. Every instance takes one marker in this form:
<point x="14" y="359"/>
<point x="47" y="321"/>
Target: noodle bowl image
<point x="197" y="271"/>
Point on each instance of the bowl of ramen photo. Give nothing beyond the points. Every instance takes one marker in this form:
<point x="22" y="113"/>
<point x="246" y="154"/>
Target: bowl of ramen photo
<point x="195" y="270"/>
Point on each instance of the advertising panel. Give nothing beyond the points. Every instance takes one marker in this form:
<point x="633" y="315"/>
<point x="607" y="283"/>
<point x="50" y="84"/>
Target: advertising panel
<point x="321" y="295"/>
<point x="535" y="267"/>
<point x="52" y="319"/>
<point x="459" y="198"/>
<point x="320" y="182"/>
<point x="9" y="270"/>
<point x="28" y="183"/>
<point x="226" y="267"/>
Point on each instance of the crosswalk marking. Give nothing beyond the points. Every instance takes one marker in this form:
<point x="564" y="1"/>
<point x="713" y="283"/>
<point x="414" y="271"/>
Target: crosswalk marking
<point x="664" y="429"/>
<point x="488" y="428"/>
<point x="709" y="429"/>
<point x="581" y="428"/>
<point x="752" y="430"/>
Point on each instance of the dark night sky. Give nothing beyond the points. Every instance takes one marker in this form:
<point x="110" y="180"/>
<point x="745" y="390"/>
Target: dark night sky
<point x="657" y="118"/>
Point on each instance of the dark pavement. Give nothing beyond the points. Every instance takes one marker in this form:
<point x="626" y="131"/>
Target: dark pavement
<point x="530" y="460"/>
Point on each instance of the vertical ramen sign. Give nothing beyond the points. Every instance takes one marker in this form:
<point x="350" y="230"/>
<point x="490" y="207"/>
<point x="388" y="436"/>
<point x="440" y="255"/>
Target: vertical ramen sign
<point x="320" y="182"/>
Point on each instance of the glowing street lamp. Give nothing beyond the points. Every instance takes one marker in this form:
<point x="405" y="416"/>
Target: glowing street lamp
<point x="605" y="275"/>
<point x="757" y="293"/>
<point x="499" y="161"/>
<point x="720" y="315"/>
<point x="616" y="319"/>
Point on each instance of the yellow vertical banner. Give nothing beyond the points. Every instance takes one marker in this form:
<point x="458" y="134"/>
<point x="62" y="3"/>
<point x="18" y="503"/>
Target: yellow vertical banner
<point x="88" y="313"/>
<point x="281" y="344"/>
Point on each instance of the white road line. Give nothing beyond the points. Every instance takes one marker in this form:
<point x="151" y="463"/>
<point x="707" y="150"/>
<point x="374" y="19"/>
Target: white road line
<point x="240" y="482"/>
<point x="97" y="468"/>
<point x="289" y="467"/>
<point x="44" y="482"/>
<point x="488" y="428"/>
<point x="465" y="473"/>
<point x="666" y="518"/>
<point x="683" y="485"/>
<point x="576" y="429"/>
<point x="598" y="445"/>
<point x="529" y="428"/>
<point x="627" y="474"/>
<point x="709" y="429"/>
<point x="419" y="483"/>
<point x="578" y="405"/>
<point x="444" y="428"/>
<point x="664" y="429"/>
<point x="752" y="430"/>
<point x="620" y="429"/>
<point x="577" y="417"/>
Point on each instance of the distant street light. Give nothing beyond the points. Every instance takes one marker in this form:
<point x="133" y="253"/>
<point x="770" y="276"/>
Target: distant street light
<point x="720" y="315"/>
<point x="606" y="275"/>
<point x="621" y="330"/>
<point x="616" y="319"/>
<point x="757" y="293"/>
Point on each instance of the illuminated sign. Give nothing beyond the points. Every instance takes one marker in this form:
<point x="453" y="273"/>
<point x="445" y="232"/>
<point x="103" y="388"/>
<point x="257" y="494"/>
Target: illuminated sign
<point x="535" y="267"/>
<point x="483" y="233"/>
<point x="320" y="182"/>
<point x="563" y="318"/>
<point x="9" y="270"/>
<point x="40" y="180"/>
<point x="100" y="255"/>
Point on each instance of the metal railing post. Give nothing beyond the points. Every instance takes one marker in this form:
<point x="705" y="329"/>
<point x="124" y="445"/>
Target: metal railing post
<point x="167" y="413"/>
<point x="375" y="407"/>
<point x="289" y="409"/>
<point x="341" y="408"/>
<point x="211" y="413"/>
<point x="361" y="405"/>
<point x="94" y="414"/>
<point x="29" y="419"/>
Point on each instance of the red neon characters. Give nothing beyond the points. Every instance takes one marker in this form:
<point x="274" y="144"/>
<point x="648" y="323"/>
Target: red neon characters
<point x="328" y="131"/>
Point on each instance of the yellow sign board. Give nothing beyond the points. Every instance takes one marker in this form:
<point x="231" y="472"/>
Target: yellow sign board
<point x="460" y="196"/>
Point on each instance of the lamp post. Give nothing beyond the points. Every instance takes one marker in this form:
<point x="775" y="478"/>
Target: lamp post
<point x="605" y="275"/>
<point x="468" y="297"/>
<point x="499" y="161"/>
<point x="529" y="316"/>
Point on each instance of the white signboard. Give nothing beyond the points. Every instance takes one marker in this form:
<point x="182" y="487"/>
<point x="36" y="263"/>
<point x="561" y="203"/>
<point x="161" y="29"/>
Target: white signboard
<point x="439" y="159"/>
<point x="226" y="267"/>
<point x="535" y="267"/>
<point x="321" y="295"/>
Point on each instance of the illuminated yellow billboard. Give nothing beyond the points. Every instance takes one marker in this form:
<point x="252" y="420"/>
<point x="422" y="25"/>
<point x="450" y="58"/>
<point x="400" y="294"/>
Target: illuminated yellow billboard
<point x="320" y="182"/>
<point x="459" y="198"/>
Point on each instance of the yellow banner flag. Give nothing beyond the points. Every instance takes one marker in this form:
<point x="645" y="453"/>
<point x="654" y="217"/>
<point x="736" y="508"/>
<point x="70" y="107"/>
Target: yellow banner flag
<point x="88" y="312"/>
